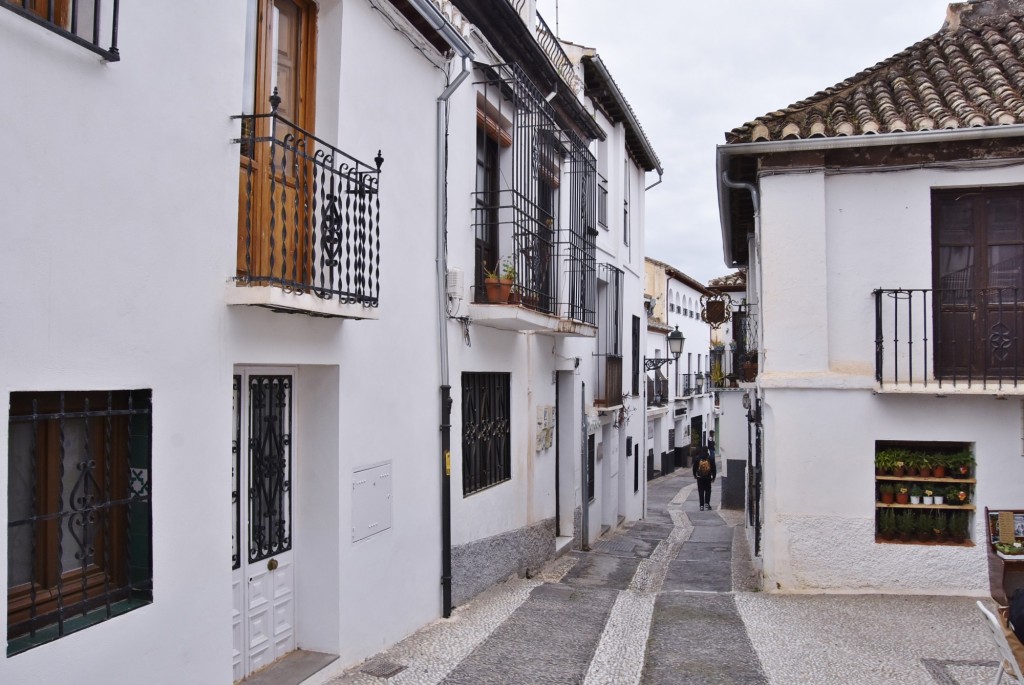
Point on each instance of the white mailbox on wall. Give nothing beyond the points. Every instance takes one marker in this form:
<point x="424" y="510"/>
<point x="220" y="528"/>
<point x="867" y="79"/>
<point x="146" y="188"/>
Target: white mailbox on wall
<point x="371" y="500"/>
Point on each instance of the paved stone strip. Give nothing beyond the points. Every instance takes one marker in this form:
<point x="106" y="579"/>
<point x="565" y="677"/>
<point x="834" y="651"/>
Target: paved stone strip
<point x="431" y="653"/>
<point x="549" y="640"/>
<point x="619" y="657"/>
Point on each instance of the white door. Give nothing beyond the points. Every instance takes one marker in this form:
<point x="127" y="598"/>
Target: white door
<point x="263" y="580"/>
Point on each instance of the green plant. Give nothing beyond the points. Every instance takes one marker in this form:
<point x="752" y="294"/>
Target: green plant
<point x="716" y="373"/>
<point x="902" y="488"/>
<point x="504" y="269"/>
<point x="923" y="525"/>
<point x="915" y="490"/>
<point x="886" y="488"/>
<point x="887" y="522"/>
<point x="928" y="492"/>
<point x="905" y="524"/>
<point x="939" y="523"/>
<point x="958" y="525"/>
<point x="1015" y="548"/>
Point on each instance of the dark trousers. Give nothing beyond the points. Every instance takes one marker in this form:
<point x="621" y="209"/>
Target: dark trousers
<point x="704" y="491"/>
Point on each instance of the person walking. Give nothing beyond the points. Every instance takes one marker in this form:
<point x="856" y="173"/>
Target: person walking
<point x="711" y="445"/>
<point x="705" y="472"/>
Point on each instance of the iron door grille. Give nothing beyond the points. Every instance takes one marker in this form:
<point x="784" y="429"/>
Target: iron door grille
<point x="270" y="466"/>
<point x="486" y="442"/>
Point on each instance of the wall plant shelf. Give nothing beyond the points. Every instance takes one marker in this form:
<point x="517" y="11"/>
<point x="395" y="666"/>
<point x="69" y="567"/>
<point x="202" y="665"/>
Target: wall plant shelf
<point x="924" y="524"/>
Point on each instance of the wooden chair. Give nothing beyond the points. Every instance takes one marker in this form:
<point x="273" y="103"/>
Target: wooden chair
<point x="1011" y="651"/>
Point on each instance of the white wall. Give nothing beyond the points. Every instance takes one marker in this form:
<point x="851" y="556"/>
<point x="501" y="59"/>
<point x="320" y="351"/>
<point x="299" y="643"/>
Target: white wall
<point x="827" y="242"/>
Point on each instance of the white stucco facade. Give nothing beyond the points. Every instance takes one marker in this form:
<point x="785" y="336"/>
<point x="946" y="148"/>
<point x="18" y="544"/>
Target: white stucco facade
<point x="122" y="207"/>
<point x="825" y="242"/>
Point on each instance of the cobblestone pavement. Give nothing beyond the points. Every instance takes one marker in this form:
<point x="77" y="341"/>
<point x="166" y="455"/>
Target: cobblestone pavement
<point x="673" y="599"/>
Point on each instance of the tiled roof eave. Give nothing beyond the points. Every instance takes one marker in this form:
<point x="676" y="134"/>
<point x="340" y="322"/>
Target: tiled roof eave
<point x="873" y="140"/>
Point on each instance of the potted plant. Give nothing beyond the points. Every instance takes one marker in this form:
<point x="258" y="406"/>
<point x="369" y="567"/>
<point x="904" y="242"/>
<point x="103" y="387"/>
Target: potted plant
<point x="938" y="496"/>
<point x="886" y="492"/>
<point x="887" y="523"/>
<point x="923" y="526"/>
<point x="905" y="525"/>
<point x="939" y="465"/>
<point x="924" y="466"/>
<point x="902" y="493"/>
<point x="912" y="463"/>
<point x="928" y="496"/>
<point x="962" y="463"/>
<point x="915" y="493"/>
<point x="958" y="526"/>
<point x="939" y="525"/>
<point x="750" y="366"/>
<point x="884" y="462"/>
<point x="498" y="282"/>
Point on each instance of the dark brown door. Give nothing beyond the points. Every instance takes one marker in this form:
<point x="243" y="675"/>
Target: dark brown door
<point x="978" y="286"/>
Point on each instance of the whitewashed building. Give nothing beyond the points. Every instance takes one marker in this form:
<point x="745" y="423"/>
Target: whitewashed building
<point x="881" y="222"/>
<point x="680" y="403"/>
<point x="233" y="312"/>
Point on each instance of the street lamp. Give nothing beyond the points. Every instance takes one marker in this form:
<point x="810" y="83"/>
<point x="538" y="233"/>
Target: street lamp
<point x="675" y="348"/>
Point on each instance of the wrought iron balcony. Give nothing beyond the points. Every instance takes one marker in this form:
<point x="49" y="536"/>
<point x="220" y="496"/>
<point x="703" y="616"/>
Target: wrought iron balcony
<point x="688" y="384"/>
<point x="551" y="46"/>
<point x="657" y="390"/>
<point x="945" y="339"/>
<point x="309" y="215"/>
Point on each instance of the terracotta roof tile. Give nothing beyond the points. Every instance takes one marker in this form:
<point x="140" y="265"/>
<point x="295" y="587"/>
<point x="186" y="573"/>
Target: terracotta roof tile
<point x="969" y="74"/>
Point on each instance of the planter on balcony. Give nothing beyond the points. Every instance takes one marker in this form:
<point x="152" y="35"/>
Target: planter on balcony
<point x="498" y="289"/>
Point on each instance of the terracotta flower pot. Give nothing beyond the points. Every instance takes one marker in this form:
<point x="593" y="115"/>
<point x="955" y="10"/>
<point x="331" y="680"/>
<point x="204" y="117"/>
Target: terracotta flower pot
<point x="899" y="471"/>
<point x="939" y="472"/>
<point x="498" y="289"/>
<point x="887" y="498"/>
<point x="925" y="471"/>
<point x="902" y="497"/>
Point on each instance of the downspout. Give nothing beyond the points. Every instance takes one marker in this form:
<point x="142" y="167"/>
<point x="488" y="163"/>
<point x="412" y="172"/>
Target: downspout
<point x="661" y="177"/>
<point x="451" y="36"/>
<point x="755" y="200"/>
<point x="442" y="330"/>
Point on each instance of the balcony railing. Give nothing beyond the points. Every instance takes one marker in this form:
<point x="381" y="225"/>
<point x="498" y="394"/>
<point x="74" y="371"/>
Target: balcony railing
<point x="551" y="46"/>
<point x="657" y="390"/>
<point x="88" y="23"/>
<point x="602" y="201"/>
<point x="688" y="384"/>
<point x="309" y="214"/>
<point x="967" y="338"/>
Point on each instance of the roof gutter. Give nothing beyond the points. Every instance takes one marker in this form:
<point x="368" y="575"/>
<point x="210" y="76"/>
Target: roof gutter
<point x="724" y="152"/>
<point x="627" y="111"/>
<point x="437" y="22"/>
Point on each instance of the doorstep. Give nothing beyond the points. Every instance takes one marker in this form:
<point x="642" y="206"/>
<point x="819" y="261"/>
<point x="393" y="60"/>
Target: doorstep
<point x="563" y="543"/>
<point x="291" y="669"/>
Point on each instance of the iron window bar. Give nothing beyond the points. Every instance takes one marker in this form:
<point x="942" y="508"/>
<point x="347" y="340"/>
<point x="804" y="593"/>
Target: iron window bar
<point x="321" y="234"/>
<point x="553" y="257"/>
<point x="80" y="17"/>
<point x="79" y="534"/>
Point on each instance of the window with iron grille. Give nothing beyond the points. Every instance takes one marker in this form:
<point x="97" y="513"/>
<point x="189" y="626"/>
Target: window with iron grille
<point x="485" y="431"/>
<point x="79" y="543"/>
<point x="89" y="24"/>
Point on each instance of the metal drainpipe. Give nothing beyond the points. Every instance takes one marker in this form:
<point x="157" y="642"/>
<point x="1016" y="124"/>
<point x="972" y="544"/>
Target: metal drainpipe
<point x="442" y="329"/>
<point x="755" y="200"/>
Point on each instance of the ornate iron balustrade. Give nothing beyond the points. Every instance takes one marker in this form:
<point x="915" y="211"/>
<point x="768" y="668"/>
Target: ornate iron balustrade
<point x="87" y="23"/>
<point x="309" y="219"/>
<point x="552" y="47"/>
<point x="949" y="338"/>
<point x="486" y="431"/>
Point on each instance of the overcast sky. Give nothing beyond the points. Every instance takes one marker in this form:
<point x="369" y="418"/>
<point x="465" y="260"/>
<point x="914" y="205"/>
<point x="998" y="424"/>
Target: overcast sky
<point x="693" y="70"/>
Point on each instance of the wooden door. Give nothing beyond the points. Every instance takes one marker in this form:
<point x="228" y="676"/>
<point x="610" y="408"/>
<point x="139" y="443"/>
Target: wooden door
<point x="275" y="184"/>
<point x="979" y="282"/>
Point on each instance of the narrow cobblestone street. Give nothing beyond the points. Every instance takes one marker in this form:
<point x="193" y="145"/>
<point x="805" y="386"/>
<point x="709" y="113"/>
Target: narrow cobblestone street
<point x="671" y="600"/>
